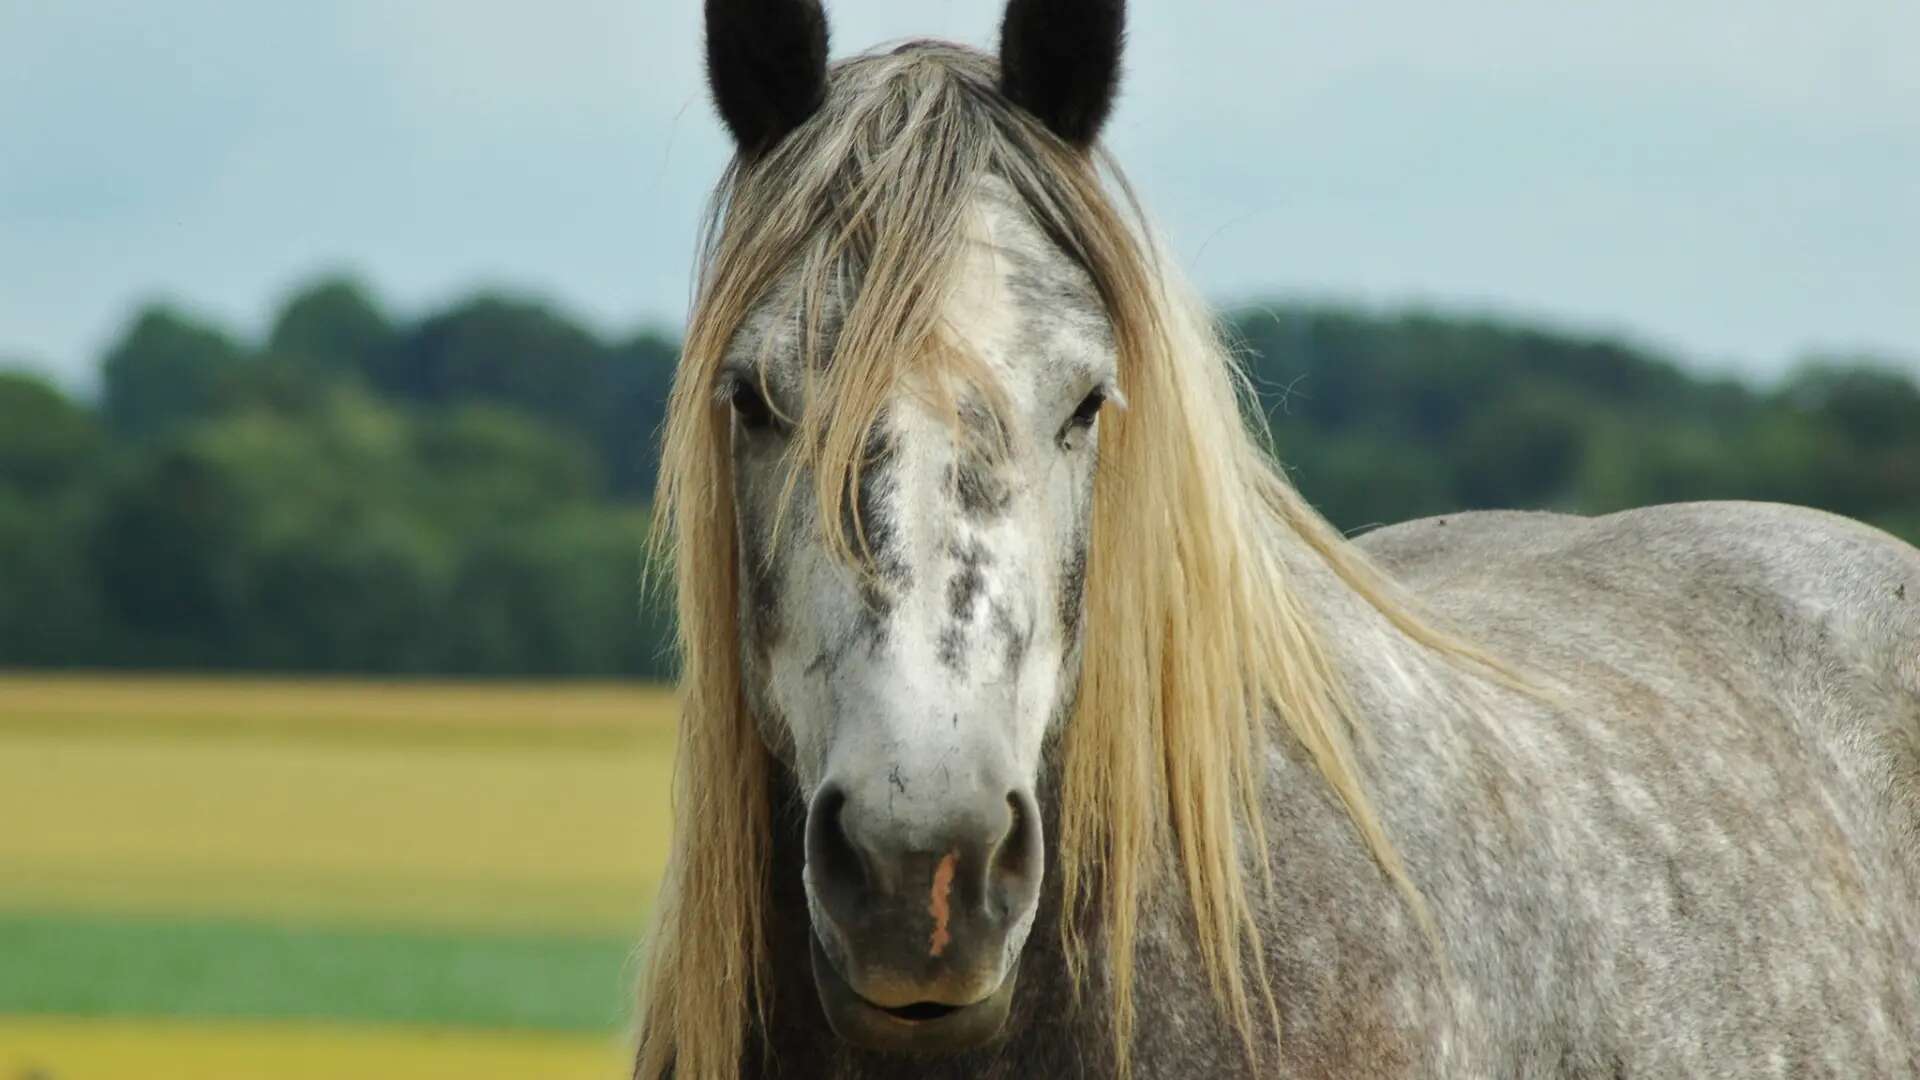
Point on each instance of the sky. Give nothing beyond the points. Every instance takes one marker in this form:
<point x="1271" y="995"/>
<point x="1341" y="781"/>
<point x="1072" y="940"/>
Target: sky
<point x="1736" y="182"/>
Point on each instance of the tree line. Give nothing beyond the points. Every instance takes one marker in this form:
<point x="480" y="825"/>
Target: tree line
<point x="466" y="492"/>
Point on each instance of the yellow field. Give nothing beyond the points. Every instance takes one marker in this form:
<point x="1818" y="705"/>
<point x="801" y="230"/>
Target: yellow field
<point x="338" y="707"/>
<point x="467" y="809"/>
<point x="116" y="1050"/>
<point x="334" y="801"/>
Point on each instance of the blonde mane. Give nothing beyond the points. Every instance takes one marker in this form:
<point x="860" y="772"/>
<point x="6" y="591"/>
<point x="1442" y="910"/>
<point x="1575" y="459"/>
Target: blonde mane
<point x="1193" y="643"/>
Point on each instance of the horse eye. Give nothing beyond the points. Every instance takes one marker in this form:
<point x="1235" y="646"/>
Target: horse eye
<point x="751" y="408"/>
<point x="1087" y="411"/>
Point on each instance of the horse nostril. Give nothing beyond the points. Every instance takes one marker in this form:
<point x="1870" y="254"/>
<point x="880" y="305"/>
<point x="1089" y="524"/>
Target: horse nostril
<point x="1015" y="865"/>
<point x="835" y="859"/>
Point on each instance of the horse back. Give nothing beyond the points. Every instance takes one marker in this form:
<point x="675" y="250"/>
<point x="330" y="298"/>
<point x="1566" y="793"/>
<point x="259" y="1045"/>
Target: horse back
<point x="1721" y="850"/>
<point x="1760" y="576"/>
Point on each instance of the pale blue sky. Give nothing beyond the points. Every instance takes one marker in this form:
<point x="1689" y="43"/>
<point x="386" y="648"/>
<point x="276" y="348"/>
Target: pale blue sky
<point x="1737" y="181"/>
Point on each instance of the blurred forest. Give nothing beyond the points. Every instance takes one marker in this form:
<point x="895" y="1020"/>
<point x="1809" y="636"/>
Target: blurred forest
<point x="466" y="493"/>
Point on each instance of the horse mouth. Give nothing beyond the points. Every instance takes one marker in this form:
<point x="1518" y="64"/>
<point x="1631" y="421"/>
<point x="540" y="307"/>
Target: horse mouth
<point x="920" y="1011"/>
<point x="923" y="1027"/>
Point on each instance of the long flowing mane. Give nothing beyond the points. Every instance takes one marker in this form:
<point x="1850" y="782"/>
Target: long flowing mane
<point x="1195" y="645"/>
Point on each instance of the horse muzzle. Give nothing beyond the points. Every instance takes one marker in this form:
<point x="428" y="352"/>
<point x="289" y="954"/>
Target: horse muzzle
<point x="920" y="909"/>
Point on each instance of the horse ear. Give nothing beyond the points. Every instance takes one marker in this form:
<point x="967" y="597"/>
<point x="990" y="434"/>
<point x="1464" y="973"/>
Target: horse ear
<point x="767" y="65"/>
<point x="1060" y="60"/>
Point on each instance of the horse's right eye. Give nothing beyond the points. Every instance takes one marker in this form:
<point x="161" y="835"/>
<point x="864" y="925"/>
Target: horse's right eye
<point x="751" y="408"/>
<point x="1088" y="410"/>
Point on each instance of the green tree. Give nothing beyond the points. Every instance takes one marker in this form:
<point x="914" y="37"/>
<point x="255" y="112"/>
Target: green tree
<point x="165" y="371"/>
<point x="336" y="325"/>
<point x="640" y="374"/>
<point x="1871" y="405"/>
<point x="51" y="612"/>
<point x="504" y="351"/>
<point x="490" y="465"/>
<point x="1528" y="452"/>
<point x="48" y="444"/>
<point x="557" y="595"/>
<point x="198" y="542"/>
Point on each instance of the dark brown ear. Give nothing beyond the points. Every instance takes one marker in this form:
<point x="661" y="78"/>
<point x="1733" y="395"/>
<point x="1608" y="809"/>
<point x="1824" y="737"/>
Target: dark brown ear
<point x="767" y="65"/>
<point x="1060" y="60"/>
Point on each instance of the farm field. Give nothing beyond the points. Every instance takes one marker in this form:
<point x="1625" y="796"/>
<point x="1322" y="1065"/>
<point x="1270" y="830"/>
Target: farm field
<point x="227" y="878"/>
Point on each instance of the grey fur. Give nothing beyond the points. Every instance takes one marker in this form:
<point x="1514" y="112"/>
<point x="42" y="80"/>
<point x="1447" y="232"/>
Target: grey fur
<point x="1703" y="860"/>
<point x="1706" y="865"/>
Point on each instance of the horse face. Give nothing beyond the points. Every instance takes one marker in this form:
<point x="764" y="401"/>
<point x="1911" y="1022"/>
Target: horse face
<point x="912" y="703"/>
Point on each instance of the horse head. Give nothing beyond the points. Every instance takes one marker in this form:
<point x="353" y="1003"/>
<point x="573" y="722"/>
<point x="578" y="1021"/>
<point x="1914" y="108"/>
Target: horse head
<point x="912" y="344"/>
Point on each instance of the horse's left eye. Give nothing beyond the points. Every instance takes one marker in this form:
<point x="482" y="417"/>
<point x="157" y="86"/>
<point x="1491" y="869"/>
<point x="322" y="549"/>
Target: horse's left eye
<point x="752" y="409"/>
<point x="1085" y="413"/>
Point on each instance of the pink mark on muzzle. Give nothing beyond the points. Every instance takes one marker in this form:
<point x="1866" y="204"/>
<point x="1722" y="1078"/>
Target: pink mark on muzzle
<point x="937" y="907"/>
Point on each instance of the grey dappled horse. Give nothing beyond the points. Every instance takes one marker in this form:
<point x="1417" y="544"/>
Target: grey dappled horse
<point x="1035" y="727"/>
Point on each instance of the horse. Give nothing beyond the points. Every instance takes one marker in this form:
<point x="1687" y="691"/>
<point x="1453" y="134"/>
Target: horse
<point x="1034" y="725"/>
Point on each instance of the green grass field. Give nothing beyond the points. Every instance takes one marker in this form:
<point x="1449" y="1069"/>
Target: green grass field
<point x="399" y="880"/>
